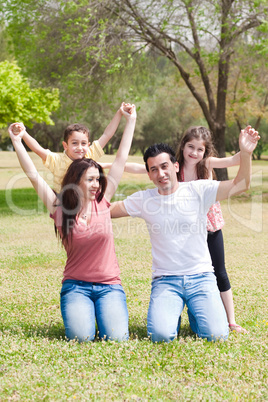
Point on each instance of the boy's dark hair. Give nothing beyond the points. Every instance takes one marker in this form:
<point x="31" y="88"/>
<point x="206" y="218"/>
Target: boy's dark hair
<point x="157" y="149"/>
<point x="75" y="127"/>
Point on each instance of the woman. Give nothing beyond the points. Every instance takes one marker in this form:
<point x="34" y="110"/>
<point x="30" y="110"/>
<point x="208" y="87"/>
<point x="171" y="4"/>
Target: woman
<point x="91" y="286"/>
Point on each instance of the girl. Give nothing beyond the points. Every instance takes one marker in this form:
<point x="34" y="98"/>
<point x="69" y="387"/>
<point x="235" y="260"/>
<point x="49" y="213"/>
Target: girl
<point x="91" y="280"/>
<point x="195" y="155"/>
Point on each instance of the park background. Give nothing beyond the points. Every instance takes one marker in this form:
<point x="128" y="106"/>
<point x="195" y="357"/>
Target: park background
<point x="182" y="63"/>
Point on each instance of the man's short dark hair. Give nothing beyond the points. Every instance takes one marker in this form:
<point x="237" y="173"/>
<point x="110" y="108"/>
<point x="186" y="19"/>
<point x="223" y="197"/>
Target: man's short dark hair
<point x="157" y="149"/>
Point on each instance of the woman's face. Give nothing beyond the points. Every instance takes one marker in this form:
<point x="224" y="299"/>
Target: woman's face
<point x="193" y="151"/>
<point x="90" y="183"/>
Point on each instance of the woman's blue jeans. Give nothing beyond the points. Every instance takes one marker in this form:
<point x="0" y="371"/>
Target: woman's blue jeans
<point x="84" y="302"/>
<point x="205" y="309"/>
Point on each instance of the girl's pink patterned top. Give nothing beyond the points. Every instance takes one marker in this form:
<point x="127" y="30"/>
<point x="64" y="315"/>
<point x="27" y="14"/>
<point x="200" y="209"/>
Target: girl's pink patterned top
<point x="215" y="219"/>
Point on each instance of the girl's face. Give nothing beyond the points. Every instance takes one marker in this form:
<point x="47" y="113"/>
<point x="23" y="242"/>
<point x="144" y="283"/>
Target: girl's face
<point x="193" y="151"/>
<point x="90" y="183"/>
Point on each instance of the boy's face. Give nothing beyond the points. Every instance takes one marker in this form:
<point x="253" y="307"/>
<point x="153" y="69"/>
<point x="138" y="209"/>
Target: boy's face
<point x="77" y="145"/>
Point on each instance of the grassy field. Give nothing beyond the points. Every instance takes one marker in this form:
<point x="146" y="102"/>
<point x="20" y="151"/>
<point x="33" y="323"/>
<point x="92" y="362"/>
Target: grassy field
<point x="36" y="362"/>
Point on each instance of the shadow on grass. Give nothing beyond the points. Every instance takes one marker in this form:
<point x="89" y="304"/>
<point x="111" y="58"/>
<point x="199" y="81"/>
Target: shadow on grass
<point x="56" y="331"/>
<point x="52" y="331"/>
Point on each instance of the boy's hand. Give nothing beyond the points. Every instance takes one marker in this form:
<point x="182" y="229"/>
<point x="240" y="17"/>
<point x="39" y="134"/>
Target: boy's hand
<point x="248" y="139"/>
<point x="127" y="107"/>
<point x="16" y="129"/>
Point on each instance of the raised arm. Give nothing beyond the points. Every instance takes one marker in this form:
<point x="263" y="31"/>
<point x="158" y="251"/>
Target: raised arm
<point x="117" y="168"/>
<point x="111" y="128"/>
<point x="219" y="163"/>
<point x="42" y="188"/>
<point x="248" y="140"/>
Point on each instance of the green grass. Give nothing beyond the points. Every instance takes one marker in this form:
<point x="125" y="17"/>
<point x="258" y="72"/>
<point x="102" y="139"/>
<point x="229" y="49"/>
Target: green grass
<point x="37" y="363"/>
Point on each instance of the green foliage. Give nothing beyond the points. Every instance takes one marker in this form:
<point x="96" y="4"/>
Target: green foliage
<point x="260" y="149"/>
<point x="19" y="102"/>
<point x="89" y="51"/>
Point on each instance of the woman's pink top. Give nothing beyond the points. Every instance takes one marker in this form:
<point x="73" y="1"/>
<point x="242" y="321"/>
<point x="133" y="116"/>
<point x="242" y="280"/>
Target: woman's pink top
<point x="91" y="253"/>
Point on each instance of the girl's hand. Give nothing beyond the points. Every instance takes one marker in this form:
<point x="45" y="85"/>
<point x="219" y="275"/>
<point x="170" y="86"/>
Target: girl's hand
<point x="248" y="139"/>
<point x="16" y="130"/>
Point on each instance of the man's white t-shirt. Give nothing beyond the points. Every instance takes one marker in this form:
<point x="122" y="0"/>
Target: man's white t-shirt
<point x="177" y="226"/>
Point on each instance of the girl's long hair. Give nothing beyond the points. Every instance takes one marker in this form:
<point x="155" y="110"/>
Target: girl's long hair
<point x="70" y="195"/>
<point x="198" y="133"/>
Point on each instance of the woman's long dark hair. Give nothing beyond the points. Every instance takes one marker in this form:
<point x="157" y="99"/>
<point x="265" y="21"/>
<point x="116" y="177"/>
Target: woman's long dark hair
<point x="198" y="133"/>
<point x="70" y="195"/>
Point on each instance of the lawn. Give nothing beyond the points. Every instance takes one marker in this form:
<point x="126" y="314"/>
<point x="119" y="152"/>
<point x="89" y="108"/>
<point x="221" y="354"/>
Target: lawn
<point x="37" y="363"/>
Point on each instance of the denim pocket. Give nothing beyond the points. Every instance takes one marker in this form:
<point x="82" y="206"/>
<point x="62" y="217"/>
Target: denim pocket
<point x="67" y="286"/>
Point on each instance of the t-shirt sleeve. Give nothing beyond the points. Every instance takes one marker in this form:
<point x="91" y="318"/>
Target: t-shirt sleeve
<point x="50" y="161"/>
<point x="134" y="204"/>
<point x="209" y="190"/>
<point x="95" y="151"/>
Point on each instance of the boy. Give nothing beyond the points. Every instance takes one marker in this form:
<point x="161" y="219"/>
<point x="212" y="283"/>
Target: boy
<point x="76" y="146"/>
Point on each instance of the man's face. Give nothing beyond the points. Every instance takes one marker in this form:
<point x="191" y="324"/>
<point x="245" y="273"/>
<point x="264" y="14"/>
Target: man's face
<point x="163" y="173"/>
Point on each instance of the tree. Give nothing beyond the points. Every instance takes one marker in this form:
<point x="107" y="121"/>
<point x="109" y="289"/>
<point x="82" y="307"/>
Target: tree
<point x="200" y="39"/>
<point x="248" y="95"/>
<point x="18" y="102"/>
<point x="54" y="46"/>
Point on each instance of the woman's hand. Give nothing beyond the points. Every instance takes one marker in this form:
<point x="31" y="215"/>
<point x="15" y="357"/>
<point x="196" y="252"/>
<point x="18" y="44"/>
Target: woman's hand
<point x="128" y="110"/>
<point x="16" y="130"/>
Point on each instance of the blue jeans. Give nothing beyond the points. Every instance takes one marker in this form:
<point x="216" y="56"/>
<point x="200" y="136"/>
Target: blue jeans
<point x="83" y="302"/>
<point x="205" y="309"/>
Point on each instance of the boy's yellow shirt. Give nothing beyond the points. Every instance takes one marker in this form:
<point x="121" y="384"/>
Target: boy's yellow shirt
<point x="58" y="163"/>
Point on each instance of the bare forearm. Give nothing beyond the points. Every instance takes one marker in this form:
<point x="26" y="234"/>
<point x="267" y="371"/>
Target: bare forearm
<point x="24" y="159"/>
<point x="110" y="129"/>
<point x="118" y="165"/>
<point x="34" y="146"/>
<point x="243" y="176"/>
<point x="240" y="183"/>
<point x="125" y="144"/>
<point x="42" y="188"/>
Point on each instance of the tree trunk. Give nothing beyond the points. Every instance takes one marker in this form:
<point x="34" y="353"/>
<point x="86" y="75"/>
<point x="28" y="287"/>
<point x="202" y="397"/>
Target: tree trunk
<point x="222" y="174"/>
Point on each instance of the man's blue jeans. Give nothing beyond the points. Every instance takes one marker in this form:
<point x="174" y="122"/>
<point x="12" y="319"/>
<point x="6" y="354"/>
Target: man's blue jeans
<point x="83" y="302"/>
<point x="205" y="309"/>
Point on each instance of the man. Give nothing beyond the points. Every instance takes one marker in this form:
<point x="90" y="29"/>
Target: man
<point x="176" y="217"/>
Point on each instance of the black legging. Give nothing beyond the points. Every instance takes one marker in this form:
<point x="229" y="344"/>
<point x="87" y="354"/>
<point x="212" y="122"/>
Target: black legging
<point x="216" y="249"/>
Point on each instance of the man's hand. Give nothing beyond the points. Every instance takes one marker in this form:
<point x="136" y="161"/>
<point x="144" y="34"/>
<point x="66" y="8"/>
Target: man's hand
<point x="248" y="139"/>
